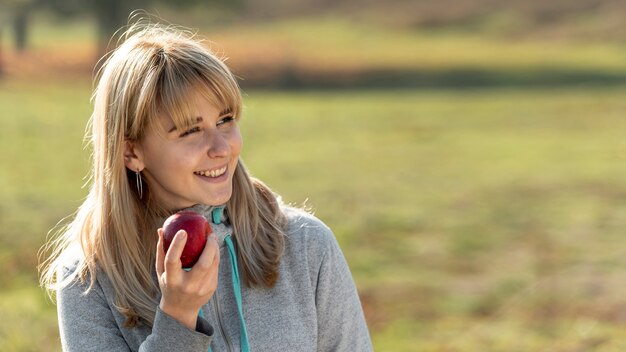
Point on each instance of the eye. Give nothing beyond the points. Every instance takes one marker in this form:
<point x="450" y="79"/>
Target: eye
<point x="190" y="131"/>
<point x="225" y="120"/>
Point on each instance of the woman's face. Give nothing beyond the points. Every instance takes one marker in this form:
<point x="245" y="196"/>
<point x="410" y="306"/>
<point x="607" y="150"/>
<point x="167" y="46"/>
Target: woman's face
<point x="183" y="168"/>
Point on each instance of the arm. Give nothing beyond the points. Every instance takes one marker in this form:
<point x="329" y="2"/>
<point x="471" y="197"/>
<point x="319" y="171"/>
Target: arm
<point x="87" y="323"/>
<point x="341" y="323"/>
<point x="168" y="334"/>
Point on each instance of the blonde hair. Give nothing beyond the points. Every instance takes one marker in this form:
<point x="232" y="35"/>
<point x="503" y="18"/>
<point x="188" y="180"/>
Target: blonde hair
<point x="114" y="230"/>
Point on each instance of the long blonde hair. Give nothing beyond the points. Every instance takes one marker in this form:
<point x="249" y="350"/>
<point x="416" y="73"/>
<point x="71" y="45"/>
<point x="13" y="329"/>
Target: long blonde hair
<point x="114" y="230"/>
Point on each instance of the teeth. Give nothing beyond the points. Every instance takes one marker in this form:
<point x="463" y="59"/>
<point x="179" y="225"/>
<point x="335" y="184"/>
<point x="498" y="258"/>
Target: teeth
<point x="212" y="173"/>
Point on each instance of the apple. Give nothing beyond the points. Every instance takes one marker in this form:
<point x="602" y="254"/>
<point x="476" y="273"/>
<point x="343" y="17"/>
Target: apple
<point x="198" y="230"/>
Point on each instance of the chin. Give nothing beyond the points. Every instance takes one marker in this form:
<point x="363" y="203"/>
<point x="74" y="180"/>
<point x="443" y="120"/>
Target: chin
<point x="218" y="199"/>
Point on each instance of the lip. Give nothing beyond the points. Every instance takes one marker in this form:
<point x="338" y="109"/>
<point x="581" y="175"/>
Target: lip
<point x="215" y="168"/>
<point x="218" y="179"/>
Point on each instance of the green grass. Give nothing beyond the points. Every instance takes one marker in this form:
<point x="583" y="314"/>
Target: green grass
<point x="340" y="41"/>
<point x="28" y="320"/>
<point x="337" y="44"/>
<point x="471" y="219"/>
<point x="459" y="205"/>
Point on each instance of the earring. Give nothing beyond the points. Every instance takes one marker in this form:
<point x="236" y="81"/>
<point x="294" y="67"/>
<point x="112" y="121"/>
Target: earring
<point x="139" y="183"/>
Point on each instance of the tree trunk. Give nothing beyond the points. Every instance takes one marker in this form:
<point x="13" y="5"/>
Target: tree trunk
<point x="110" y="17"/>
<point x="20" y="29"/>
<point x="1" y="54"/>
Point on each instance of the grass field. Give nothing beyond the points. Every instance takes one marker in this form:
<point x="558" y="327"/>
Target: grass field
<point x="334" y="50"/>
<point x="473" y="219"/>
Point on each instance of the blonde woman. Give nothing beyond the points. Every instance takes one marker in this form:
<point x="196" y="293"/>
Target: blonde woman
<point x="165" y="137"/>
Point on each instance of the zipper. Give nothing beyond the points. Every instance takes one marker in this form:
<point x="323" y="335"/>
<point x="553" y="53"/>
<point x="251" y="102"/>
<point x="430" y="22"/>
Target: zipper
<point x="216" y="307"/>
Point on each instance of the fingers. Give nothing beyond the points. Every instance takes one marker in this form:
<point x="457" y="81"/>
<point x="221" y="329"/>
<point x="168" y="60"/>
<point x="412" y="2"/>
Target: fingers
<point x="182" y="290"/>
<point x="172" y="257"/>
<point x="160" y="254"/>
<point x="209" y="259"/>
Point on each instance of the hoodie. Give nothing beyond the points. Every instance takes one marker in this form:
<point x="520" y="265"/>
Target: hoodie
<point x="314" y="305"/>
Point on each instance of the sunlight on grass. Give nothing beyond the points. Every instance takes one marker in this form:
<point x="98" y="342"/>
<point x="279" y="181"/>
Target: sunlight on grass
<point x="451" y="206"/>
<point x="472" y="219"/>
<point x="28" y="320"/>
<point x="340" y="44"/>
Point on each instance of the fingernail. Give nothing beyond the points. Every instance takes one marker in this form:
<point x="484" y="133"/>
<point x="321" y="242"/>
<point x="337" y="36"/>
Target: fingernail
<point x="182" y="236"/>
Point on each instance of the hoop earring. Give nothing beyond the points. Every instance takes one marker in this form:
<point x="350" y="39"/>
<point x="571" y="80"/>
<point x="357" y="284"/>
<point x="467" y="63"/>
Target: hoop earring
<point x="139" y="183"/>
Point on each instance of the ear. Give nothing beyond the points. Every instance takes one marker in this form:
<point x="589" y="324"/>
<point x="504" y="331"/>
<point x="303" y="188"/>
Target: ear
<point x="133" y="157"/>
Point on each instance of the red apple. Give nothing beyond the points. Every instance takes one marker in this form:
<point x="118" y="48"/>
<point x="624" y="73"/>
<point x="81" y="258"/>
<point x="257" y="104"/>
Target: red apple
<point x="197" y="228"/>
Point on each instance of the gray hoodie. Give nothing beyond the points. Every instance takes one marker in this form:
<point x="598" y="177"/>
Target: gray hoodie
<point x="313" y="307"/>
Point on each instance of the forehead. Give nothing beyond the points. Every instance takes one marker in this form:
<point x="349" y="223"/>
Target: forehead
<point x="198" y="104"/>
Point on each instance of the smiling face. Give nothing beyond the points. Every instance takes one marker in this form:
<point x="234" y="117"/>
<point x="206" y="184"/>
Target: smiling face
<point x="183" y="167"/>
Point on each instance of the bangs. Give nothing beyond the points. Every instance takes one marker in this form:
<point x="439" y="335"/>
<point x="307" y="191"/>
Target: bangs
<point x="181" y="78"/>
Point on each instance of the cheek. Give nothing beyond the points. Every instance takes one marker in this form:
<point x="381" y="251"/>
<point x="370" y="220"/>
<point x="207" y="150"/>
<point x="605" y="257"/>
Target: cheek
<point x="163" y="160"/>
<point x="236" y="143"/>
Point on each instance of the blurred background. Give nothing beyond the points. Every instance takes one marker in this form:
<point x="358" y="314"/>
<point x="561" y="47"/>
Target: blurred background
<point x="469" y="155"/>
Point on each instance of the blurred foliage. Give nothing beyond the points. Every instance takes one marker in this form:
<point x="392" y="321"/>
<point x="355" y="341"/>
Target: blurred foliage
<point x="337" y="52"/>
<point x="109" y="15"/>
<point x="556" y="20"/>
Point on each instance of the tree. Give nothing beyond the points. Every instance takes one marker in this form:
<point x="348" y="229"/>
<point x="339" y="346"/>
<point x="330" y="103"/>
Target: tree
<point x="17" y="12"/>
<point x="110" y="15"/>
<point x="20" y="27"/>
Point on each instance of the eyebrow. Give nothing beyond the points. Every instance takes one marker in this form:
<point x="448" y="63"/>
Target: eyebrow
<point x="199" y="118"/>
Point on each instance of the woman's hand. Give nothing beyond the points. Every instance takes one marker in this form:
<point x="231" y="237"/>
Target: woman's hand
<point x="184" y="292"/>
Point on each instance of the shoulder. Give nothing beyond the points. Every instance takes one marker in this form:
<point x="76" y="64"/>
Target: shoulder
<point x="74" y="277"/>
<point x="300" y="221"/>
<point x="68" y="266"/>
<point x="305" y="229"/>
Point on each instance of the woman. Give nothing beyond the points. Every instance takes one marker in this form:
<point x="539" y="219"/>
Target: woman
<point x="165" y="138"/>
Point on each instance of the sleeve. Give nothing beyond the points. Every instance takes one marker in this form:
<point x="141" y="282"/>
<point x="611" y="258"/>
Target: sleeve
<point x="341" y="323"/>
<point x="87" y="323"/>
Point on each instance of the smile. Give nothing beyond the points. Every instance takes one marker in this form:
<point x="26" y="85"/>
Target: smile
<point x="212" y="173"/>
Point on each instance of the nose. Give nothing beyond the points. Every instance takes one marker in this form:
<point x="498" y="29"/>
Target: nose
<point x="217" y="146"/>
